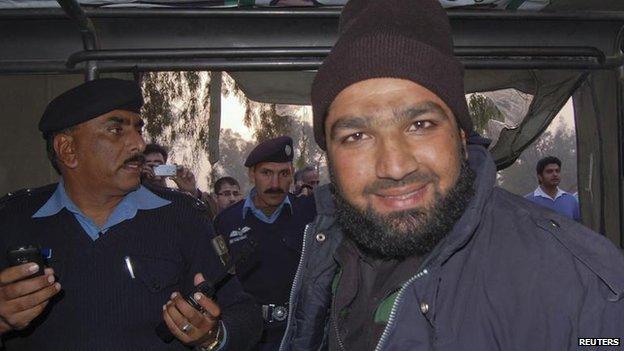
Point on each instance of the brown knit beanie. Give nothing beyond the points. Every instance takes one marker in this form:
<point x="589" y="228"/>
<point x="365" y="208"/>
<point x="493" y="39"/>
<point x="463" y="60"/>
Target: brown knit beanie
<point x="406" y="39"/>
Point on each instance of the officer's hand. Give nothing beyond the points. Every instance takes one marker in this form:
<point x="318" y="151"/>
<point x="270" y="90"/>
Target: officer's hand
<point x="185" y="179"/>
<point x="22" y="300"/>
<point x="147" y="172"/>
<point x="201" y="328"/>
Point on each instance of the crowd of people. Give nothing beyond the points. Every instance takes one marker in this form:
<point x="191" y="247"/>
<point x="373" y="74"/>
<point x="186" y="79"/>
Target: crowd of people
<point x="226" y="190"/>
<point x="411" y="246"/>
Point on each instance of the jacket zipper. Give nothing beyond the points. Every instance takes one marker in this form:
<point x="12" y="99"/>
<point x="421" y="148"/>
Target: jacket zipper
<point x="395" y="305"/>
<point x="295" y="281"/>
<point x="335" y="324"/>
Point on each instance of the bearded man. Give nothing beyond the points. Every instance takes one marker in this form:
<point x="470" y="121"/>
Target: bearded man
<point x="414" y="247"/>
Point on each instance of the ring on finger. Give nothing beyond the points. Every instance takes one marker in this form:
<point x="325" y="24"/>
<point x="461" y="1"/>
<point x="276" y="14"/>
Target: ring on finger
<point x="186" y="328"/>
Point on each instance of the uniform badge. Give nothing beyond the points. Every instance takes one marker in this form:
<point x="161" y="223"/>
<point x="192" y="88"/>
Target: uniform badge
<point x="218" y="243"/>
<point x="238" y="235"/>
<point x="287" y="150"/>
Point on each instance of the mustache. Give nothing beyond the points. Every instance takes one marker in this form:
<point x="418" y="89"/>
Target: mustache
<point x="383" y="184"/>
<point x="274" y="191"/>
<point x="135" y="158"/>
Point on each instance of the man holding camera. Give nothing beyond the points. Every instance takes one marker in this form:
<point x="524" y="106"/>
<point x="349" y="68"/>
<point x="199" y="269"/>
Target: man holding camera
<point x="155" y="172"/>
<point x="122" y="258"/>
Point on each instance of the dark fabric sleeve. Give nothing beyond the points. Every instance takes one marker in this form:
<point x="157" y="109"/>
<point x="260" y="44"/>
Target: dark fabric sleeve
<point x="240" y="314"/>
<point x="601" y="316"/>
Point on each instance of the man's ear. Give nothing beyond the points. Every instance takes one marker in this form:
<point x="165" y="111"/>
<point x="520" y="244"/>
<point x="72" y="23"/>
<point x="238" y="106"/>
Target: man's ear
<point x="65" y="148"/>
<point x="250" y="174"/>
<point x="464" y="142"/>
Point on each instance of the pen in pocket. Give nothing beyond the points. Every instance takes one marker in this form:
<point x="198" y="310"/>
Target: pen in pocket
<point x="129" y="266"/>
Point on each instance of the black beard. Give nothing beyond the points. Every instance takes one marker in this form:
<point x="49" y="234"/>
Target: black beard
<point x="403" y="234"/>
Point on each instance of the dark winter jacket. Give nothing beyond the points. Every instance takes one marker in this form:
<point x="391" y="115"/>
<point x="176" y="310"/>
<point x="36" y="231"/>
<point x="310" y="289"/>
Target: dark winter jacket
<point x="511" y="275"/>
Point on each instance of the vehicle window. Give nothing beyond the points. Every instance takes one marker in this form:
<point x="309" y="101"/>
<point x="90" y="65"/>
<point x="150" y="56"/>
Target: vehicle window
<point x="558" y="140"/>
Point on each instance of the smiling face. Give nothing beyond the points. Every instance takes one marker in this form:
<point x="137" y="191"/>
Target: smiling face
<point x="396" y="155"/>
<point x="394" y="145"/>
<point x="104" y="153"/>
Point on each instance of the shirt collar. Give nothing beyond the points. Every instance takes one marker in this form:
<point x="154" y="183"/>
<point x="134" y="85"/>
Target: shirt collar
<point x="250" y="206"/>
<point x="540" y="192"/>
<point x="56" y="203"/>
<point x="140" y="199"/>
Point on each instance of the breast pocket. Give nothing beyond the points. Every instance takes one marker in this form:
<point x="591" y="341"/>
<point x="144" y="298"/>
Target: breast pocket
<point x="157" y="273"/>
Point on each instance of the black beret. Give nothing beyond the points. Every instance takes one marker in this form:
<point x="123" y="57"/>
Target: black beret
<point x="90" y="100"/>
<point x="274" y="150"/>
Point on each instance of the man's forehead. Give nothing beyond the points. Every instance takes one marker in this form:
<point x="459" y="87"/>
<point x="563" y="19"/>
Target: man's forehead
<point x="128" y="116"/>
<point x="310" y="174"/>
<point x="154" y="155"/>
<point x="228" y="186"/>
<point x="385" y="116"/>
<point x="116" y="116"/>
<point x="273" y="165"/>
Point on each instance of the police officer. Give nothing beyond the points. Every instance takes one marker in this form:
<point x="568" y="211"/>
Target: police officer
<point x="272" y="221"/>
<point x="119" y="254"/>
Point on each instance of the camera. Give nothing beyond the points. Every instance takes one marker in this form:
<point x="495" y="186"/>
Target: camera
<point x="165" y="170"/>
<point x="19" y="255"/>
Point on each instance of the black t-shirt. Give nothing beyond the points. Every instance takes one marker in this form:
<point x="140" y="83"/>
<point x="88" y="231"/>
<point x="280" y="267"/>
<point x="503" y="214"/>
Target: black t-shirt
<point x="362" y="286"/>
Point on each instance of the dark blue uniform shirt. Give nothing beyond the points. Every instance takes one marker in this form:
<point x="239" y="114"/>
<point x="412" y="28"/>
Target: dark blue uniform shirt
<point x="268" y="273"/>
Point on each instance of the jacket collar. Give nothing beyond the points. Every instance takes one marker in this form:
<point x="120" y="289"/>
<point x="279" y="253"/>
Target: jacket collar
<point x="324" y="199"/>
<point x="482" y="164"/>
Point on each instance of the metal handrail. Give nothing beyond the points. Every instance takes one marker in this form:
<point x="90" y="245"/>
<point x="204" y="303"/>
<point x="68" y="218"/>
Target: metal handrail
<point x="321" y="12"/>
<point x="583" y="54"/>
<point x="87" y="32"/>
<point x="295" y="64"/>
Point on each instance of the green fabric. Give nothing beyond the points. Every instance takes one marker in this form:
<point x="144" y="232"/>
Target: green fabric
<point x="382" y="314"/>
<point x="335" y="282"/>
<point x="515" y="4"/>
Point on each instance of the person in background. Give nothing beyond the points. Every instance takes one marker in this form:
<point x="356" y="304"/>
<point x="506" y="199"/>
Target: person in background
<point x="120" y="255"/>
<point x="306" y="180"/>
<point x="227" y="191"/>
<point x="156" y="155"/>
<point x="271" y="220"/>
<point x="548" y="193"/>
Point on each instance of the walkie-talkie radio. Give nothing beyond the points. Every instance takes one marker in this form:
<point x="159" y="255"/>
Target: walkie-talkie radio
<point x="19" y="255"/>
<point x="207" y="288"/>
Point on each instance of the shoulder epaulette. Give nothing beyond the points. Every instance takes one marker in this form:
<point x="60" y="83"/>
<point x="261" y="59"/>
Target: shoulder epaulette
<point x="23" y="193"/>
<point x="175" y="194"/>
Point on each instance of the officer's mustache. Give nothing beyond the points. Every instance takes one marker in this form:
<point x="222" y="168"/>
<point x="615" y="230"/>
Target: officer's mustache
<point x="138" y="158"/>
<point x="274" y="191"/>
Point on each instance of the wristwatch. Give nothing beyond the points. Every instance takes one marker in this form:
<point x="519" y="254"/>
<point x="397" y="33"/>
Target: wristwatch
<point x="217" y="341"/>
